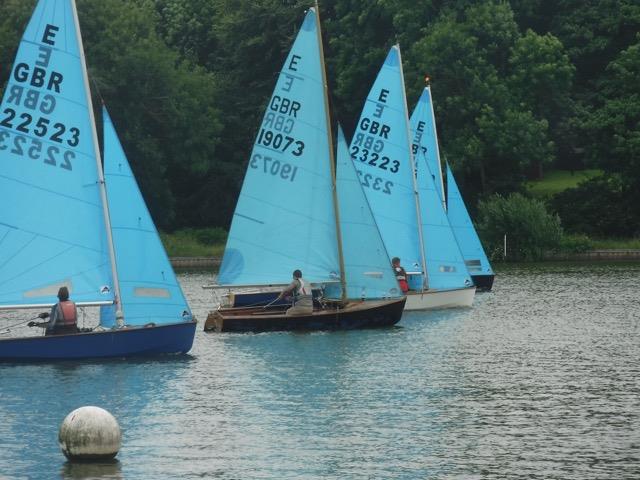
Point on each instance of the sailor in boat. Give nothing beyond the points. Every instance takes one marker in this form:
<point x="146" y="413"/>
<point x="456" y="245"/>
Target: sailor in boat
<point x="63" y="318"/>
<point x="299" y="290"/>
<point x="401" y="274"/>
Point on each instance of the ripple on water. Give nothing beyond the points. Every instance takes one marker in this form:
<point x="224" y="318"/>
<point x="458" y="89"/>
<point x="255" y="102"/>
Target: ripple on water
<point x="540" y="379"/>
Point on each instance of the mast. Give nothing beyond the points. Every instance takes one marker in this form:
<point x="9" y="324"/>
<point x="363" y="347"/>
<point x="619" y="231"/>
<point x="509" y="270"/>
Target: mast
<point x="101" y="185"/>
<point x="425" y="282"/>
<point x="435" y="134"/>
<point x="332" y="160"/>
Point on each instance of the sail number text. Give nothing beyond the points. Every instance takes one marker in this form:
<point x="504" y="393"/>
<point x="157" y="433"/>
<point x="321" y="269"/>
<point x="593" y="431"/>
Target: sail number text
<point x="376" y="183"/>
<point x="280" y="142"/>
<point x="32" y="147"/>
<point x="36" y="133"/>
<point x="374" y="159"/>
<point x="268" y="165"/>
<point x="42" y="127"/>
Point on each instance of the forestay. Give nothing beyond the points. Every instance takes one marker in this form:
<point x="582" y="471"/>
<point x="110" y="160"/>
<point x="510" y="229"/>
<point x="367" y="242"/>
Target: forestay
<point x="424" y="138"/>
<point x="149" y="289"/>
<point x="472" y="251"/>
<point x="284" y="218"/>
<point x="380" y="150"/>
<point x="52" y="226"/>
<point x="367" y="268"/>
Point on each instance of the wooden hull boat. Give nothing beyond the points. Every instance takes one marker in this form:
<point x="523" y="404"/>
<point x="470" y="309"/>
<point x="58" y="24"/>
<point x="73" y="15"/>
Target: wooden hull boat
<point x="334" y="316"/>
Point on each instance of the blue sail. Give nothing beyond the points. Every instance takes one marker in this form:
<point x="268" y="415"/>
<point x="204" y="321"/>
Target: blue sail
<point x="472" y="251"/>
<point x="149" y="289"/>
<point x="425" y="139"/>
<point x="284" y="219"/>
<point x="446" y="268"/>
<point x="52" y="226"/>
<point x="367" y="268"/>
<point x="445" y="264"/>
<point x="381" y="153"/>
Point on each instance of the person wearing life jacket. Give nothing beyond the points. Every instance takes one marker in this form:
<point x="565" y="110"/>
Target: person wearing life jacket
<point x="63" y="318"/>
<point x="401" y="274"/>
<point x="299" y="290"/>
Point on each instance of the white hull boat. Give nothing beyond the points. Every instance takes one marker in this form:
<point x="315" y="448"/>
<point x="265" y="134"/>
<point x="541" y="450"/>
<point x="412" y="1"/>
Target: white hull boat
<point x="434" y="299"/>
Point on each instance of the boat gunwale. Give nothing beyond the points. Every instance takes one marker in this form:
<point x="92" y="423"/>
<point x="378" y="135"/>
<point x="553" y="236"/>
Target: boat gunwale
<point x="121" y="330"/>
<point x="351" y="306"/>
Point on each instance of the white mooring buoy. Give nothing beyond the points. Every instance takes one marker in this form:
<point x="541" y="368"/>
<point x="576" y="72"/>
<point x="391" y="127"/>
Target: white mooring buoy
<point x="89" y="434"/>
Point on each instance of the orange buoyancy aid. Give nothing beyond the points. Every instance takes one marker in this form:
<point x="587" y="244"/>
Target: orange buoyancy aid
<point x="68" y="313"/>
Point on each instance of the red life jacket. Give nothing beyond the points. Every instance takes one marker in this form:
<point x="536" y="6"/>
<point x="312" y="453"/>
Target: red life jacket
<point x="68" y="313"/>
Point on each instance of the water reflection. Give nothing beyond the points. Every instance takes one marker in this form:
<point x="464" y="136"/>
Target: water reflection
<point x="92" y="471"/>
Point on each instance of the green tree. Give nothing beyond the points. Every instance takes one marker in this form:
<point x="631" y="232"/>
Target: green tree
<point x="14" y="15"/>
<point x="164" y="107"/>
<point x="243" y="44"/>
<point x="601" y="207"/>
<point x="613" y="124"/>
<point x="493" y="133"/>
<point x="530" y="229"/>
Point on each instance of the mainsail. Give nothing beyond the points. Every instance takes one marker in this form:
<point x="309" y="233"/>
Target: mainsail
<point x="449" y="237"/>
<point x="284" y="218"/>
<point x="445" y="265"/>
<point x="425" y="139"/>
<point x="149" y="290"/>
<point x="472" y="251"/>
<point x="52" y="225"/>
<point x="446" y="268"/>
<point x="381" y="152"/>
<point x="368" y="271"/>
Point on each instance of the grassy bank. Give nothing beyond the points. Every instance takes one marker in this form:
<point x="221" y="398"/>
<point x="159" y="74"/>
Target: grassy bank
<point x="616" y="244"/>
<point x="557" y="181"/>
<point x="210" y="242"/>
<point x="191" y="242"/>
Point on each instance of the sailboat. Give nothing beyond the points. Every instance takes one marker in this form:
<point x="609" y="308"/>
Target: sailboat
<point x="59" y="229"/>
<point x="288" y="216"/>
<point x="425" y="144"/>
<point x="403" y="198"/>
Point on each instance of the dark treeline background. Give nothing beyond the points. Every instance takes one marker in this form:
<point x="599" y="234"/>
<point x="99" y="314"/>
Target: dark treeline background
<point x="519" y="86"/>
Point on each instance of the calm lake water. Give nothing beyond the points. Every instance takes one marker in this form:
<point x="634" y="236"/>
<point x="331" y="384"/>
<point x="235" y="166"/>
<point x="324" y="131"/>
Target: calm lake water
<point x="540" y="379"/>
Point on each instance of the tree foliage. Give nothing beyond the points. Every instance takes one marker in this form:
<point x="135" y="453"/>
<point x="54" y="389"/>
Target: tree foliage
<point x="530" y="229"/>
<point x="517" y="85"/>
<point x="601" y="204"/>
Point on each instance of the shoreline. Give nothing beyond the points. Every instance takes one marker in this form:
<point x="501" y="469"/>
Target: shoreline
<point x="592" y="255"/>
<point x="195" y="262"/>
<point x="623" y="254"/>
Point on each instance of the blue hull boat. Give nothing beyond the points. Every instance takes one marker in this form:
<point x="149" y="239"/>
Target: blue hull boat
<point x="75" y="221"/>
<point x="125" y="342"/>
